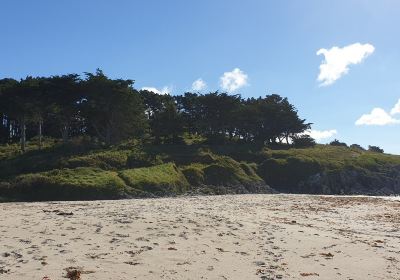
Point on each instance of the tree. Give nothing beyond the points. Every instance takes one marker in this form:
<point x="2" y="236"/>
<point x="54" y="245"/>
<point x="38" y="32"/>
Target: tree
<point x="189" y="107"/>
<point x="40" y="104"/>
<point x="168" y="123"/>
<point x="303" y="141"/>
<point x="9" y="125"/>
<point x="215" y="114"/>
<point x="112" y="108"/>
<point x="65" y="96"/>
<point x="19" y="99"/>
<point x="270" y="119"/>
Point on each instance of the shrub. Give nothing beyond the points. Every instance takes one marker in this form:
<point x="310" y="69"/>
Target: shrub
<point x="375" y="149"/>
<point x="357" y="147"/>
<point x="337" y="143"/>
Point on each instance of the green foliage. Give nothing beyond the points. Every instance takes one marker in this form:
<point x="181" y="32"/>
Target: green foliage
<point x="81" y="170"/>
<point x="337" y="143"/>
<point x="375" y="149"/>
<point x="250" y="169"/>
<point x="51" y="156"/>
<point x="180" y="154"/>
<point x="167" y="124"/>
<point x="160" y="179"/>
<point x="106" y="160"/>
<point x="66" y="184"/>
<point x="110" y="111"/>
<point x="194" y="174"/>
<point x="139" y="158"/>
<point x="285" y="169"/>
<point x="113" y="109"/>
<point x="357" y="147"/>
<point x="303" y="141"/>
<point x="287" y="172"/>
<point x="226" y="171"/>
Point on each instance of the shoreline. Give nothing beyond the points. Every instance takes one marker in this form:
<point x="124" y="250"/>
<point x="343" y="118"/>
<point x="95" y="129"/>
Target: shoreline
<point x="387" y="197"/>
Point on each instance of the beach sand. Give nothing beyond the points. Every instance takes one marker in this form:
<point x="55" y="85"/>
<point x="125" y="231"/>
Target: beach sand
<point x="206" y="237"/>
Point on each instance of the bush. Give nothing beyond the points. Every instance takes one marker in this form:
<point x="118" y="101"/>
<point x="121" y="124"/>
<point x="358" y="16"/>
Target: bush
<point x="337" y="143"/>
<point x="375" y="149"/>
<point x="357" y="147"/>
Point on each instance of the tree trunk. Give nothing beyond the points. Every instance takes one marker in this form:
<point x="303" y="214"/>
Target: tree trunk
<point x="108" y="135"/>
<point x="64" y="134"/>
<point x="23" y="134"/>
<point x="40" y="134"/>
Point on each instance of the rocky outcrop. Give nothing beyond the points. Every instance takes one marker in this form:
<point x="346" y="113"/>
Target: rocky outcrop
<point x="385" y="181"/>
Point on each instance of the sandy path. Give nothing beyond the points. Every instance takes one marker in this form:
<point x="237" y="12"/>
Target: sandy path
<point x="218" y="237"/>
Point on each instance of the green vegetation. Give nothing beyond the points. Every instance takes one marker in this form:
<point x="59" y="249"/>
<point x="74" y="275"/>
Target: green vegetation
<point x="77" y="170"/>
<point x="109" y="160"/>
<point x="161" y="179"/>
<point x="90" y="137"/>
<point x="110" y="111"/>
<point x="66" y="184"/>
<point x="336" y="157"/>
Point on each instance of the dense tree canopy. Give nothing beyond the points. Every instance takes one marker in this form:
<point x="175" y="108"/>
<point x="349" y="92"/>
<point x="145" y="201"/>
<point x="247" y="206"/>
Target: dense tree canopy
<point x="111" y="110"/>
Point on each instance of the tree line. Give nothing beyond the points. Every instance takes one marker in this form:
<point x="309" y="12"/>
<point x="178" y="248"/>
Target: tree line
<point x="112" y="110"/>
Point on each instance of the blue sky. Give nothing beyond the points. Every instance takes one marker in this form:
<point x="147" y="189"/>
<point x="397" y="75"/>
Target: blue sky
<point x="170" y="44"/>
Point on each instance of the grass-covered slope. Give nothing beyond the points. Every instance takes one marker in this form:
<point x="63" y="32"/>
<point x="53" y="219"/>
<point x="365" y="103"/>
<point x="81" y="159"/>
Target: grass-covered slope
<point x="331" y="170"/>
<point x="66" y="184"/>
<point x="160" y="179"/>
<point x="83" y="171"/>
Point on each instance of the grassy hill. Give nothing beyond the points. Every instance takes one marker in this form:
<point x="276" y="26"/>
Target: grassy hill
<point x="81" y="170"/>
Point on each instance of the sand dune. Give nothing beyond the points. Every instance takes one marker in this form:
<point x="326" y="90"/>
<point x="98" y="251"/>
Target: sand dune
<point x="210" y="237"/>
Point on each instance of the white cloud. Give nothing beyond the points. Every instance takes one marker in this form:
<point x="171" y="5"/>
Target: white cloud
<point x="164" y="90"/>
<point x="319" y="135"/>
<point x="378" y="116"/>
<point x="199" y="85"/>
<point x="337" y="61"/>
<point x="396" y="108"/>
<point x="231" y="81"/>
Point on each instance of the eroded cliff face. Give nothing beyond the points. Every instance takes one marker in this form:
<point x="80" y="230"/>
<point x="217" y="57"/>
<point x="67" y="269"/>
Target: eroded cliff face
<point x="385" y="181"/>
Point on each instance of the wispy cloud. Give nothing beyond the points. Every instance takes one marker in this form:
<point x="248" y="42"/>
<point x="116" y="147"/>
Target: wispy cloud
<point x="164" y="90"/>
<point x="378" y="116"/>
<point x="337" y="61"/>
<point x="231" y="81"/>
<point x="319" y="135"/>
<point x="199" y="85"/>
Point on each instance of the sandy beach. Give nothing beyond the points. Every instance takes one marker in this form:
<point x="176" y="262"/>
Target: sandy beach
<point x="208" y="237"/>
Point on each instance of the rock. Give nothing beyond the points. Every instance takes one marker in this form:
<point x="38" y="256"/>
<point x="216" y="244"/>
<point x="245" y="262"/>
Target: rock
<point x="385" y="181"/>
